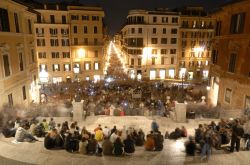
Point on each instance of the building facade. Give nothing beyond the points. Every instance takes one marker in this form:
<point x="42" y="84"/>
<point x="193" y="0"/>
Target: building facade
<point x="230" y="69"/>
<point x="150" y="43"/>
<point x="70" y="43"/>
<point x="18" y="63"/>
<point x="195" y="43"/>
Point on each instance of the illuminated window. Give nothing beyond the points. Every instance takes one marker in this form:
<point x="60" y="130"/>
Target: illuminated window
<point x="96" y="66"/>
<point x="67" y="67"/>
<point x="87" y="66"/>
<point x="56" y="67"/>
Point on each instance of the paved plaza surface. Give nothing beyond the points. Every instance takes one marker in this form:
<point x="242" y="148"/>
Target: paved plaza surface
<point x="172" y="154"/>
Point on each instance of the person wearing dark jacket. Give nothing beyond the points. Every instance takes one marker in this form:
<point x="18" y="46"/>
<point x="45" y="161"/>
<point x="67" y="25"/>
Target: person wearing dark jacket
<point x="129" y="145"/>
<point x="92" y="145"/>
<point x="71" y="142"/>
<point x="141" y="138"/>
<point x="237" y="133"/>
<point x="190" y="147"/>
<point x="40" y="130"/>
<point x="107" y="146"/>
<point x="118" y="147"/>
<point x="158" y="138"/>
<point x="53" y="140"/>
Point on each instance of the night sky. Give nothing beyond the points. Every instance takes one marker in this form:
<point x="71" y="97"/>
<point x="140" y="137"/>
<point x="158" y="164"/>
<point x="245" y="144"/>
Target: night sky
<point x="117" y="10"/>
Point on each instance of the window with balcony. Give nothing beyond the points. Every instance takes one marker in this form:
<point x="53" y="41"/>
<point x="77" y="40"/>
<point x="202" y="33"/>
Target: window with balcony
<point x="135" y="42"/>
<point x="40" y="32"/>
<point x="65" y="32"/>
<point x="41" y="55"/>
<point x="53" y="32"/>
<point x="56" y="67"/>
<point x="55" y="55"/>
<point x="40" y="42"/>
<point x="53" y="42"/>
<point x="66" y="54"/>
<point x="67" y="67"/>
<point x="65" y="42"/>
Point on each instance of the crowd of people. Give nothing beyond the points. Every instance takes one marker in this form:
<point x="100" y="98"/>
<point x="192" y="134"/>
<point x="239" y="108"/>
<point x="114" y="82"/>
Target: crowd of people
<point x="100" y="141"/>
<point x="107" y="141"/>
<point x="227" y="133"/>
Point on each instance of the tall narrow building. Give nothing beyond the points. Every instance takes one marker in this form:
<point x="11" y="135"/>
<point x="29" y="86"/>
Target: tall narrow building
<point x="70" y="42"/>
<point x="230" y="70"/>
<point x="150" y="43"/>
<point x="195" y="43"/>
<point x="18" y="63"/>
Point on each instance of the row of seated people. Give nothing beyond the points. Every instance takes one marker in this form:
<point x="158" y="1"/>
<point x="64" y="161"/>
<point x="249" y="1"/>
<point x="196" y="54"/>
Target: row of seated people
<point x="104" y="141"/>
